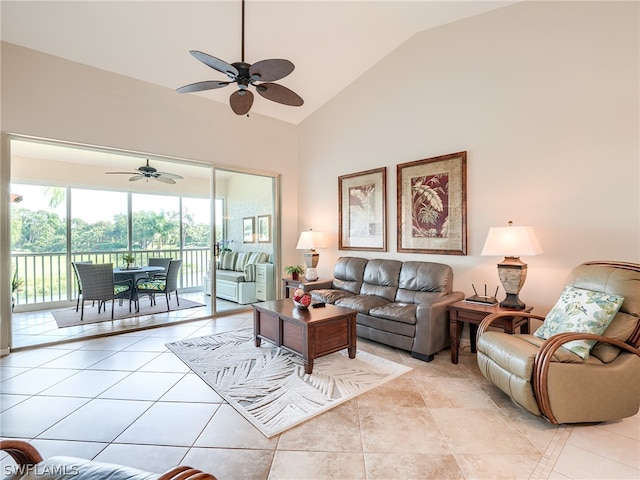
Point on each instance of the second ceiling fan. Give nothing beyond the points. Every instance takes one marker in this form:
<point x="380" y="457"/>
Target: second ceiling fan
<point x="245" y="74"/>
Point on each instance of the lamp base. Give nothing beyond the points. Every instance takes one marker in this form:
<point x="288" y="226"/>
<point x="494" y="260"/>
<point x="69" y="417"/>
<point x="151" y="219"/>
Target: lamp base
<point x="512" y="273"/>
<point x="512" y="302"/>
<point x="311" y="275"/>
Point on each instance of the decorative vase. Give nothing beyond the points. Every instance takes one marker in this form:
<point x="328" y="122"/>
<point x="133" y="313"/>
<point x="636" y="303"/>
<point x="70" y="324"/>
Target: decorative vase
<point x="295" y="276"/>
<point x="303" y="302"/>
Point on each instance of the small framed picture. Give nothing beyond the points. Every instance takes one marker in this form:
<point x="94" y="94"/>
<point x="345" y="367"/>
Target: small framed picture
<point x="248" y="230"/>
<point x="362" y="205"/>
<point x="264" y="228"/>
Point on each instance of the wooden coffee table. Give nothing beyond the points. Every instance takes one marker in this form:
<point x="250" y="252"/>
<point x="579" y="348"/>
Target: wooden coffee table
<point x="309" y="333"/>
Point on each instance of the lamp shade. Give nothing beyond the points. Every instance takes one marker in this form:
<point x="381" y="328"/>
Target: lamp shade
<point x="310" y="240"/>
<point x="511" y="242"/>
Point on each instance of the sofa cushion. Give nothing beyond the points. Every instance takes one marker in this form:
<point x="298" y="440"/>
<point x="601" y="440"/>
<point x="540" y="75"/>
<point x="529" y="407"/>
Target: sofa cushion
<point x="329" y="295"/>
<point x="241" y="261"/>
<point x="621" y="328"/>
<point x="426" y="277"/>
<point x="398" y="312"/>
<point x="230" y="275"/>
<point x="348" y="274"/>
<point x="227" y="260"/>
<point x="381" y="278"/>
<point x="580" y="310"/>
<point x="361" y="303"/>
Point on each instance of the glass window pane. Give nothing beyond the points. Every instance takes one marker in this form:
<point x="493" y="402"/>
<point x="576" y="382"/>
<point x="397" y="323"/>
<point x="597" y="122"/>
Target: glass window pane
<point x="98" y="220"/>
<point x="155" y="222"/>
<point x="196" y="229"/>
<point x="38" y="244"/>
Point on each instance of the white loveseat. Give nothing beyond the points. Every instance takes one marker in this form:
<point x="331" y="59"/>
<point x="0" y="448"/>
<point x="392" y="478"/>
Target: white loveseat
<point x="236" y="275"/>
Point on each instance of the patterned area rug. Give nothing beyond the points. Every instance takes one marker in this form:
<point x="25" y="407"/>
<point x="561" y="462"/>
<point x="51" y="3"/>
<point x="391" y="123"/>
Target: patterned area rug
<point x="268" y="386"/>
<point x="68" y="317"/>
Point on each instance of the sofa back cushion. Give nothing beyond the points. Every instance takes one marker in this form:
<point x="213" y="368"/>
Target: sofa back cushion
<point x="348" y="274"/>
<point x="381" y="278"/>
<point x="227" y="260"/>
<point x="246" y="262"/>
<point x="423" y="282"/>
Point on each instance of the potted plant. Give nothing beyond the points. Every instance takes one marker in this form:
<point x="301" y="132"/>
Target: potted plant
<point x="129" y="259"/>
<point x="294" y="271"/>
<point x="17" y="284"/>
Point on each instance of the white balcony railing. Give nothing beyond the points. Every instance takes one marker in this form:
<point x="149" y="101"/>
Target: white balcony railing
<point x="48" y="277"/>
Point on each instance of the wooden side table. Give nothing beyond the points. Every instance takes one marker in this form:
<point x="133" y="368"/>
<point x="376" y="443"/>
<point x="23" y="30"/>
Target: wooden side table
<point x="471" y="313"/>
<point x="291" y="284"/>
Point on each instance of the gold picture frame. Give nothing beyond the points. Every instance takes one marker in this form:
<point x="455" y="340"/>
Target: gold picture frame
<point x="362" y="211"/>
<point x="432" y="205"/>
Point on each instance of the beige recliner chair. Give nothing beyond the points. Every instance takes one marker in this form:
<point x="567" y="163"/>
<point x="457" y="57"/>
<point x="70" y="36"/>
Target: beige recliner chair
<point x="553" y="382"/>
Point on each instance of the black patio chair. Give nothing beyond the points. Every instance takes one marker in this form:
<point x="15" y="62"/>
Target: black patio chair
<point x="159" y="262"/>
<point x="73" y="264"/>
<point x="162" y="285"/>
<point x="97" y="283"/>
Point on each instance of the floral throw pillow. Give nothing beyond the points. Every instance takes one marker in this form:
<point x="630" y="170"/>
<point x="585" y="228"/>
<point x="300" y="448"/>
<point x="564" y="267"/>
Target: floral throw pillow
<point x="580" y="310"/>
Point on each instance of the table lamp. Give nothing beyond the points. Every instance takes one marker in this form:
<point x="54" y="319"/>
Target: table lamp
<point x="310" y="241"/>
<point x="512" y="242"/>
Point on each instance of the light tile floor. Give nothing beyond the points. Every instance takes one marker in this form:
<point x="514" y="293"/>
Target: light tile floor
<point x="127" y="399"/>
<point x="39" y="327"/>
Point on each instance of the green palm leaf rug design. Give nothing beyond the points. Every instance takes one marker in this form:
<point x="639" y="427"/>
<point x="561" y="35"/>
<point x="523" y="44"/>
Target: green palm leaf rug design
<point x="267" y="384"/>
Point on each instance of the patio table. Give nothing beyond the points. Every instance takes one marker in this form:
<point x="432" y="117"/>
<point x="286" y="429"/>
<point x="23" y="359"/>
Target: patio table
<point x="134" y="273"/>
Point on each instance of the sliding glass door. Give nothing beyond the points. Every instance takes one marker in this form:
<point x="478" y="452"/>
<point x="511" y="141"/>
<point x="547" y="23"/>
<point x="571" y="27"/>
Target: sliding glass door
<point x="87" y="214"/>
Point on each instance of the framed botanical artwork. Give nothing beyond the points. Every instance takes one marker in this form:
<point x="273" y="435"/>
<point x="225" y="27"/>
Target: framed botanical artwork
<point x="362" y="200"/>
<point x="432" y="205"/>
<point x="264" y="228"/>
<point x="248" y="230"/>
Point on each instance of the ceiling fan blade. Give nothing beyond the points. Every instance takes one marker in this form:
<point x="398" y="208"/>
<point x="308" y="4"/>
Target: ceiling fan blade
<point x="280" y="94"/>
<point x="241" y="101"/>
<point x="165" y="180"/>
<point x="136" y="177"/>
<point x="200" y="86"/>
<point x="215" y="63"/>
<point x="121" y="173"/>
<point x="270" y="70"/>
<point x="169" y="175"/>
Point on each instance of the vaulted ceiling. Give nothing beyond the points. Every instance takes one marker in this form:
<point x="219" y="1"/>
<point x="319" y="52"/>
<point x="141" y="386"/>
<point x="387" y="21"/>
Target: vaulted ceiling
<point x="332" y="42"/>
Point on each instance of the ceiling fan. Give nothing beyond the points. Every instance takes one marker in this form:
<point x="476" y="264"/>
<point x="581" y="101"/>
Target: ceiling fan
<point x="146" y="171"/>
<point x="245" y="74"/>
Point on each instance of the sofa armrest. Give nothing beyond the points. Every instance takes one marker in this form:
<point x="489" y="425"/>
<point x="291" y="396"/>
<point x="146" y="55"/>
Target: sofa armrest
<point x="432" y="325"/>
<point x="317" y="285"/>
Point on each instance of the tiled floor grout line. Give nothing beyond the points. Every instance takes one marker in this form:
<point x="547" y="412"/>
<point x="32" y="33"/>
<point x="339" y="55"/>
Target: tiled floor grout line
<point x="548" y="460"/>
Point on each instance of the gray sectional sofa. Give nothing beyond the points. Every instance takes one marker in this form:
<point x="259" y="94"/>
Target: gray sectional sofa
<point x="401" y="304"/>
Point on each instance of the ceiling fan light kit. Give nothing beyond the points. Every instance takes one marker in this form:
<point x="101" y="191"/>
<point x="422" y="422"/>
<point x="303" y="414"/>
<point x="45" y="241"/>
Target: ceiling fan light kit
<point x="246" y="74"/>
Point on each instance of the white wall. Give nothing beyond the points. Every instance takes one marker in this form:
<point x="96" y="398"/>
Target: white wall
<point x="544" y="98"/>
<point x="248" y="197"/>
